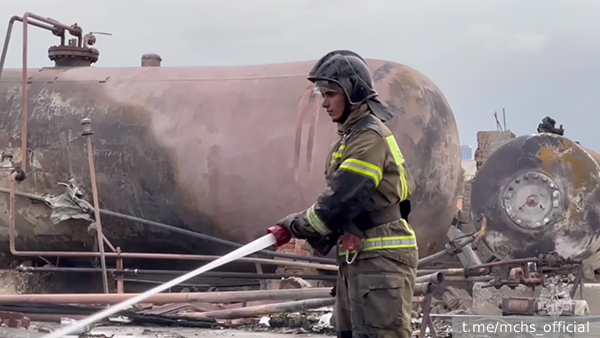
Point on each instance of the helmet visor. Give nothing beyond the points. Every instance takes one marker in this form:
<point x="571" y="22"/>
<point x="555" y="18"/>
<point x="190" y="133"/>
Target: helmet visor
<point x="324" y="87"/>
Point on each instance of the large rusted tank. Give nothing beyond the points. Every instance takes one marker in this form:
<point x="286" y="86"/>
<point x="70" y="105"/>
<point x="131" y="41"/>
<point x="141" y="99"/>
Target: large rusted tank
<point x="540" y="193"/>
<point x="225" y="151"/>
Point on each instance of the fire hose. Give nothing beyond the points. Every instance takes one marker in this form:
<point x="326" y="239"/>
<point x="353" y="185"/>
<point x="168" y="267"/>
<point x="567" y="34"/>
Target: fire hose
<point x="259" y="244"/>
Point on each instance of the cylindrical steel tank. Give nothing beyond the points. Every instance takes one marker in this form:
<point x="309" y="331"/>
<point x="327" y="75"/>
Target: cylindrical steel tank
<point x="226" y="151"/>
<point x="539" y="193"/>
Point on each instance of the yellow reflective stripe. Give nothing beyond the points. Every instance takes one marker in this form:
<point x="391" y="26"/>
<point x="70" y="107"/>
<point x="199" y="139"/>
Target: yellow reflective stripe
<point x="315" y="222"/>
<point x="385" y="243"/>
<point x="404" y="185"/>
<point x="408" y="228"/>
<point x="363" y="168"/>
<point x="399" y="159"/>
<point x="338" y="154"/>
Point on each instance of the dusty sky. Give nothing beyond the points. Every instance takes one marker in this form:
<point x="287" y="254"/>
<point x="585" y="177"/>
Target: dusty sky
<point x="534" y="57"/>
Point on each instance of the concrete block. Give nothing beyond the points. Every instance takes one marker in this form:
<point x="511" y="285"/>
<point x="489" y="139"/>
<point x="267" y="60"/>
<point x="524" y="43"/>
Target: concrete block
<point x="486" y="300"/>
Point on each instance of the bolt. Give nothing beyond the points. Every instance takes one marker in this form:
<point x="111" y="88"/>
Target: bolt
<point x="511" y="188"/>
<point x="537" y="224"/>
<point x="555" y="204"/>
<point x="535" y="175"/>
<point x="555" y="193"/>
<point x="517" y="181"/>
<point x="552" y="185"/>
<point x="544" y="179"/>
<point x="542" y="207"/>
<point x="518" y="221"/>
<point x="527" y="225"/>
<point x="525" y="176"/>
<point x="546" y="220"/>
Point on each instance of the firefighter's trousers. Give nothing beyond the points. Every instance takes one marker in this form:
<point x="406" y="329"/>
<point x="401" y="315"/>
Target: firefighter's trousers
<point x="374" y="298"/>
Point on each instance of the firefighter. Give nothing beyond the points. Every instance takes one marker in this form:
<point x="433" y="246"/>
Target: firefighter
<point x="364" y="208"/>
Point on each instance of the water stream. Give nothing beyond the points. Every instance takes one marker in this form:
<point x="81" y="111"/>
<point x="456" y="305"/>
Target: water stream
<point x="252" y="247"/>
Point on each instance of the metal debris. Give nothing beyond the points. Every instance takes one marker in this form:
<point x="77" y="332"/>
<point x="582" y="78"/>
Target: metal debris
<point x="294" y="283"/>
<point x="313" y="321"/>
<point x="69" y="205"/>
<point x="13" y="319"/>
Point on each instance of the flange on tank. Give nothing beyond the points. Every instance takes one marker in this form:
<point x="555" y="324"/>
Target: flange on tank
<point x="539" y="193"/>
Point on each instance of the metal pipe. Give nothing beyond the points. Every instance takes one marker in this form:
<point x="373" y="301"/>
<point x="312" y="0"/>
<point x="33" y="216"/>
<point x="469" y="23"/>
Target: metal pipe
<point x="108" y="243"/>
<point x="24" y="98"/>
<point x="476" y="269"/>
<point x="250" y="248"/>
<point x="450" y="271"/>
<point x="240" y="275"/>
<point x="160" y="256"/>
<point x="134" y="255"/>
<point x="73" y="30"/>
<point x="213" y="239"/>
<point x="264" y="309"/>
<point x="467" y="256"/>
<point x="433" y="257"/>
<point x="199" y="283"/>
<point x="12" y="210"/>
<point x="7" y="37"/>
<point x="170" y="256"/>
<point x="435" y="278"/>
<point x="119" y="264"/>
<point x="518" y="261"/>
<point x="421" y="289"/>
<point x="445" y="252"/>
<point x="469" y="279"/>
<point x="52" y="317"/>
<point x="167" y="298"/>
<point x="87" y="133"/>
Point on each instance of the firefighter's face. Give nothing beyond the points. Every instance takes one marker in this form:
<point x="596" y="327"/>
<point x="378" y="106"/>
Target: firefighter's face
<point x="334" y="101"/>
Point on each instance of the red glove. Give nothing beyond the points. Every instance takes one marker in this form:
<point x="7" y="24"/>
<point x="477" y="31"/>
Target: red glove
<point x="351" y="242"/>
<point x="281" y="234"/>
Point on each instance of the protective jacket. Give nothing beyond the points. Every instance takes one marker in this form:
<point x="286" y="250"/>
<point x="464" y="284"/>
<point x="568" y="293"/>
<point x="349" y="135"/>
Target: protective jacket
<point x="367" y="178"/>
